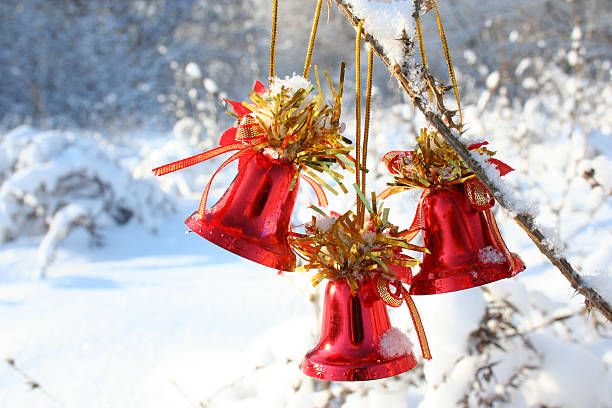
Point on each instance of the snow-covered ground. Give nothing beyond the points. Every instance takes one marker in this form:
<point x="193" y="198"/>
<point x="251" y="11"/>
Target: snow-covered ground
<point x="170" y="320"/>
<point x="148" y="320"/>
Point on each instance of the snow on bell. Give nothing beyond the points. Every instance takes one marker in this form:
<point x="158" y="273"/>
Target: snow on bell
<point x="357" y="341"/>
<point x="252" y="218"/>
<point x="466" y="247"/>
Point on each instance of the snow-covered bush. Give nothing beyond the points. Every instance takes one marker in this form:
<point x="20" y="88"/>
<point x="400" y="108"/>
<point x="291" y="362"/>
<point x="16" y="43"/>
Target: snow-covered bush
<point x="517" y="348"/>
<point x="52" y="180"/>
<point x="196" y="103"/>
<point x="107" y="66"/>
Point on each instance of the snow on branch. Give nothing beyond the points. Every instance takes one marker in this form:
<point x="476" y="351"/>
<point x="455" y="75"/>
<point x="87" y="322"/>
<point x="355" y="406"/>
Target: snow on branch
<point x="416" y="82"/>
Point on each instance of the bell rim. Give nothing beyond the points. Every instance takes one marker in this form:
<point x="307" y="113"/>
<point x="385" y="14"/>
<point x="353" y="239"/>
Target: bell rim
<point x="247" y="249"/>
<point x="364" y="371"/>
<point x="462" y="278"/>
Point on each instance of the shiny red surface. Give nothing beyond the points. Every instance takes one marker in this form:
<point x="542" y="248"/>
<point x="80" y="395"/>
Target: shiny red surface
<point x="454" y="232"/>
<point x="252" y="218"/>
<point x="348" y="345"/>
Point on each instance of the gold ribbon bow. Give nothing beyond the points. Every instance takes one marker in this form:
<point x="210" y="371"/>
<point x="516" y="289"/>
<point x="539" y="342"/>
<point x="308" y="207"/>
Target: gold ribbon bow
<point x="481" y="200"/>
<point x="395" y="299"/>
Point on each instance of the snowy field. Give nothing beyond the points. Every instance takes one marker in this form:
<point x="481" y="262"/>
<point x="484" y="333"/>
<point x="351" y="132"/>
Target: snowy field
<point x="148" y="320"/>
<point x="170" y="320"/>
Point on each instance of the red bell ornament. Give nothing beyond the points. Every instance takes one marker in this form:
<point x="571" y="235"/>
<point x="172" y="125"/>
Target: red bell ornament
<point x="353" y="332"/>
<point x="252" y="218"/>
<point x="466" y="247"/>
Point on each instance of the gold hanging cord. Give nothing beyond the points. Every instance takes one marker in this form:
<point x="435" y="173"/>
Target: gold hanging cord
<point x="273" y="37"/>
<point x="449" y="62"/>
<point x="366" y="125"/>
<point x="358" y="169"/>
<point x="313" y="34"/>
<point x="447" y="56"/>
<point x="361" y="148"/>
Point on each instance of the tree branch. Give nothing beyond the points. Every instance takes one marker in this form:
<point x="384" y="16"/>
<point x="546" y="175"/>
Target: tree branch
<point x="524" y="220"/>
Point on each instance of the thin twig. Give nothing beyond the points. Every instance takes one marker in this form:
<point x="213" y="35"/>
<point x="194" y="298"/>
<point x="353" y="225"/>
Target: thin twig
<point x="524" y="220"/>
<point x="185" y="395"/>
<point x="551" y="321"/>
<point x="32" y="383"/>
